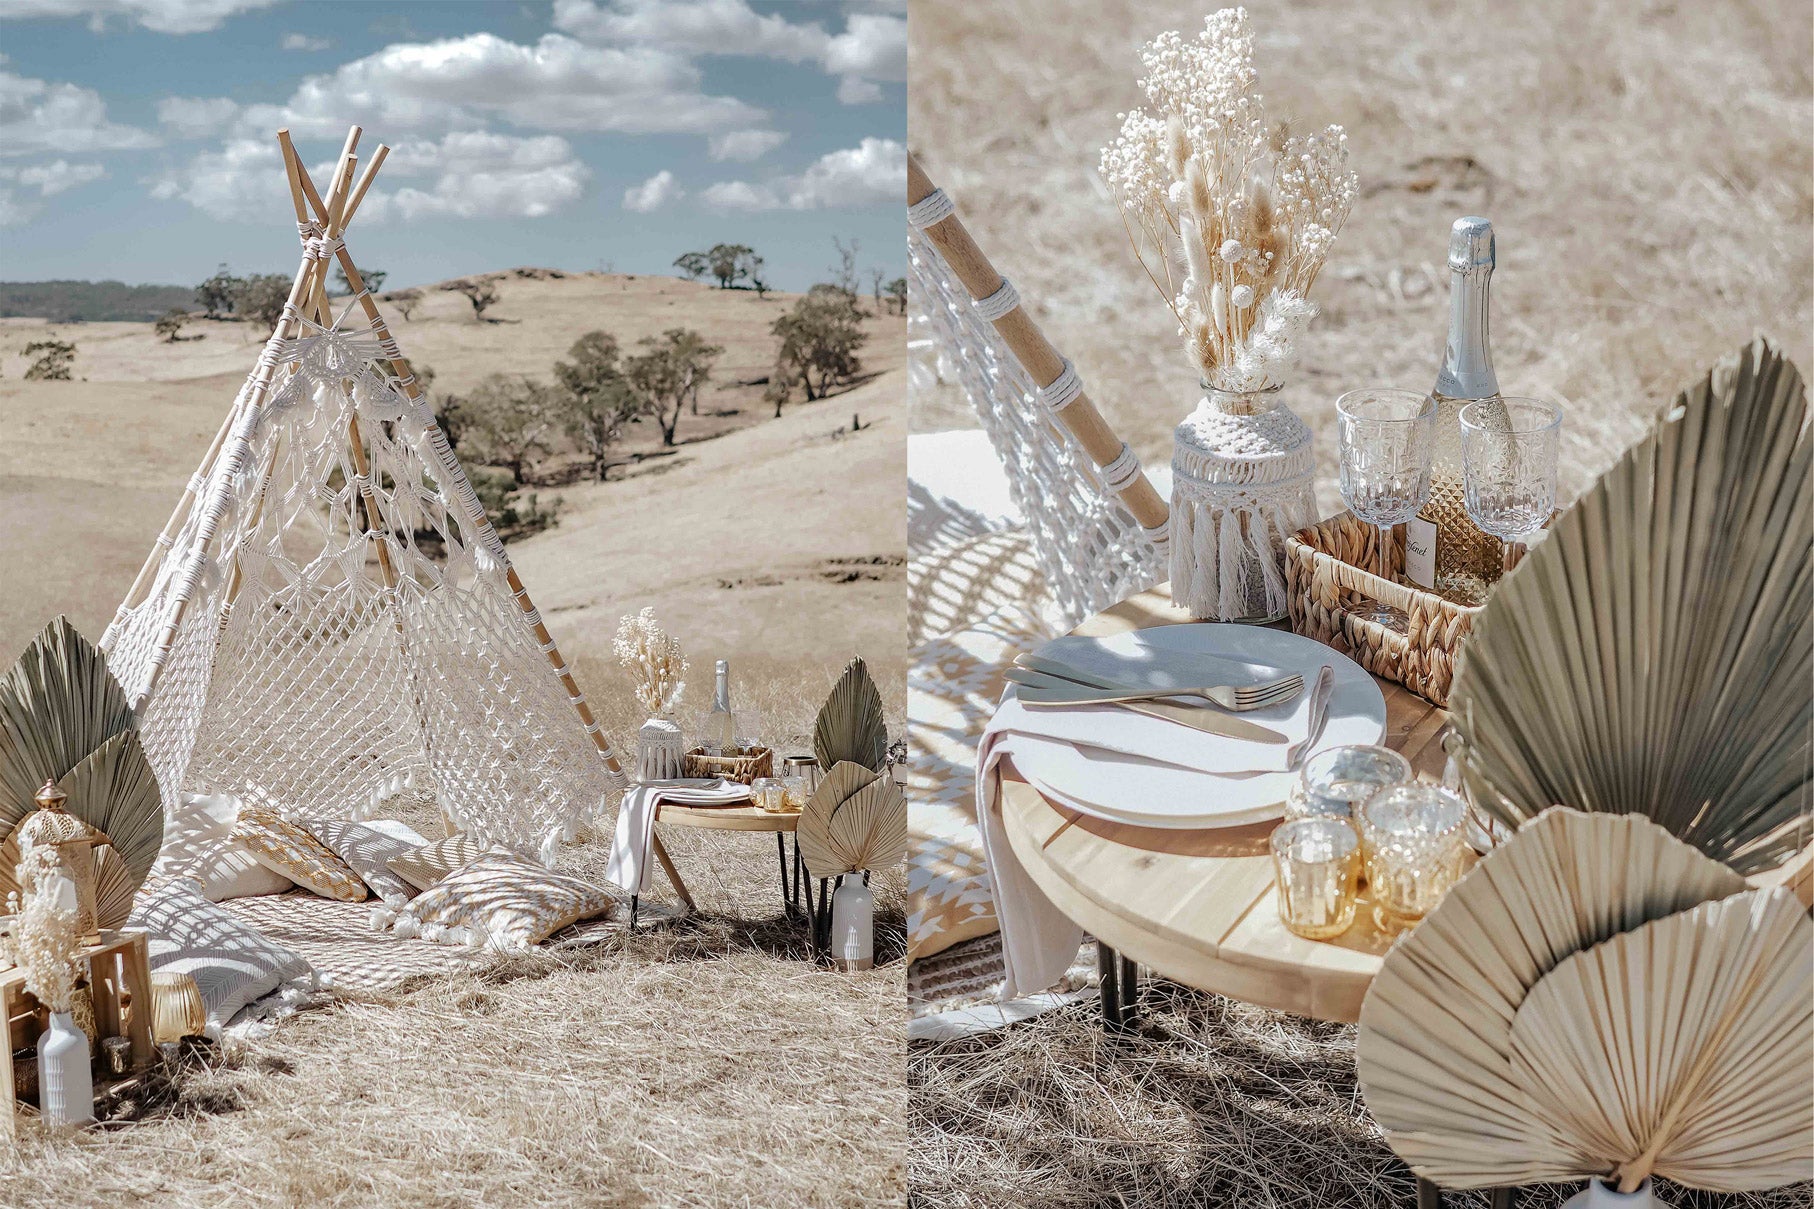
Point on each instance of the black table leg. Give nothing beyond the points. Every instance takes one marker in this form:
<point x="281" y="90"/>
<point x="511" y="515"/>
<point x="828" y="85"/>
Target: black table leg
<point x="1502" y="1198"/>
<point x="1128" y="978"/>
<point x="633" y="904"/>
<point x="1429" y="1196"/>
<point x="787" y="901"/>
<point x="801" y="879"/>
<point x="1108" y="969"/>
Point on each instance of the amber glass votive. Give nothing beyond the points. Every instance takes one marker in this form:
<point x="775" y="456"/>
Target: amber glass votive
<point x="770" y="794"/>
<point x="1415" y="842"/>
<point x="1317" y="861"/>
<point x="1335" y="782"/>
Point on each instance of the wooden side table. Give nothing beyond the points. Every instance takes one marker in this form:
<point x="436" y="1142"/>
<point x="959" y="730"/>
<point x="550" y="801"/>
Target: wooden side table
<point x="794" y="886"/>
<point x="119" y="978"/>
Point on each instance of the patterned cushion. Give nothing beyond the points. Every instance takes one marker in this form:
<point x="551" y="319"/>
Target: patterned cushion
<point x="952" y="688"/>
<point x="504" y="901"/>
<point x="289" y="849"/>
<point x="423" y="867"/>
<point x="199" y="844"/>
<point x="231" y="964"/>
<point x="365" y="849"/>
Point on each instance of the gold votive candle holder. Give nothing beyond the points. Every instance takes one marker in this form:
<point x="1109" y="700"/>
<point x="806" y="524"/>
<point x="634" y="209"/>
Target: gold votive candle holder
<point x="1414" y="840"/>
<point x="1317" y="862"/>
<point x="770" y="794"/>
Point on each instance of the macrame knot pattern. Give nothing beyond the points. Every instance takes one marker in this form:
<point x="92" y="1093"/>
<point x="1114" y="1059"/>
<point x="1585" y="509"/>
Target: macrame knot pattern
<point x="1241" y="483"/>
<point x="931" y="209"/>
<point x="998" y="304"/>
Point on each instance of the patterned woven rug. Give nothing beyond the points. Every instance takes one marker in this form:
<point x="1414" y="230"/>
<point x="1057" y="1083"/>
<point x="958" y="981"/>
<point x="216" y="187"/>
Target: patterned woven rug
<point x="338" y="940"/>
<point x="958" y="992"/>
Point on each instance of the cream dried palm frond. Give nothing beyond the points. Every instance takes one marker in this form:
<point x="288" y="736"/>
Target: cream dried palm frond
<point x="1434" y="1051"/>
<point x="836" y="790"/>
<point x="1681" y="1048"/>
<point x="58" y="704"/>
<point x="851" y="725"/>
<point x="869" y="831"/>
<point x="1654" y="654"/>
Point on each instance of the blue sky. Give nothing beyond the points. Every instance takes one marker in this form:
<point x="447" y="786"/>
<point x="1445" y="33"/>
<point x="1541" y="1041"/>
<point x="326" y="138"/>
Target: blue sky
<point x="137" y="136"/>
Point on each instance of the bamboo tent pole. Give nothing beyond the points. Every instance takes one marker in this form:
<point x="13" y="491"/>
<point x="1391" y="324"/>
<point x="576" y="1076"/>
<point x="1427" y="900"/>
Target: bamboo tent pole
<point x="407" y="380"/>
<point x="1034" y="352"/>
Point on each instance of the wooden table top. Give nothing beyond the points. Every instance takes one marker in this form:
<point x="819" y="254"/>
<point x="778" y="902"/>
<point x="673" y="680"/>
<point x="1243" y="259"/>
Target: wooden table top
<point x="727" y="818"/>
<point x="1199" y="907"/>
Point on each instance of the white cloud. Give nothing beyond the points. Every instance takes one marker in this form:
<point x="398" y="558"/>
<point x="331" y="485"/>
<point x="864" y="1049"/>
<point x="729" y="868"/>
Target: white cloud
<point x="872" y="47"/>
<point x="658" y="191"/>
<point x="305" y="42"/>
<point x="161" y="16"/>
<point x="197" y="117"/>
<point x="466" y="174"/>
<point x="744" y="145"/>
<point x="872" y="173"/>
<point x="555" y="84"/>
<point x="48" y="179"/>
<point x="36" y="117"/>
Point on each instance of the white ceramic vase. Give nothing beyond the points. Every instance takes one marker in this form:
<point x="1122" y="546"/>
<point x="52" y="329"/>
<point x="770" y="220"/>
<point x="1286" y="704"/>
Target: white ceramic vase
<point x="1600" y="1195"/>
<point x="65" y="1082"/>
<point x="658" y="750"/>
<point x="853" y="934"/>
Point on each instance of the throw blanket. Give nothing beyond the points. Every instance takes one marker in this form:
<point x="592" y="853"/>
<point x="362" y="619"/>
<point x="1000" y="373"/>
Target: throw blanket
<point x="628" y="865"/>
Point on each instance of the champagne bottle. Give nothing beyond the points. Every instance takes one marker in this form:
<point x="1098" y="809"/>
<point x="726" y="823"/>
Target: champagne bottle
<point x="720" y="735"/>
<point x="1445" y="550"/>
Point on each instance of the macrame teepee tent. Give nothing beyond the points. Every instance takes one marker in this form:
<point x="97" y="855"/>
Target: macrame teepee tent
<point x="329" y="619"/>
<point x="1098" y="526"/>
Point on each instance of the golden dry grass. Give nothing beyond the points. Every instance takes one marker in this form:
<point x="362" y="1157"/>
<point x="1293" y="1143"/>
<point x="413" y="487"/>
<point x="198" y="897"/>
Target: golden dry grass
<point x="1647" y="166"/>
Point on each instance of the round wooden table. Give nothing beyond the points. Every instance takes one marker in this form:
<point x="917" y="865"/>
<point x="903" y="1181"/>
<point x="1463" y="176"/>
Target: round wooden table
<point x="749" y="818"/>
<point x="1200" y="907"/>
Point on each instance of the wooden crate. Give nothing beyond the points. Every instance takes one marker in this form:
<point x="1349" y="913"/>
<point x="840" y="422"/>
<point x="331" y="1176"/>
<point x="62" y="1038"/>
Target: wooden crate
<point x="119" y="976"/>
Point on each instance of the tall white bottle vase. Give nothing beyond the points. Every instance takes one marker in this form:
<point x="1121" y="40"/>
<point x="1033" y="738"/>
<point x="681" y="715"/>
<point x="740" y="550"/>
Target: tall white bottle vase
<point x="65" y="1081"/>
<point x="853" y="936"/>
<point x="1600" y="1195"/>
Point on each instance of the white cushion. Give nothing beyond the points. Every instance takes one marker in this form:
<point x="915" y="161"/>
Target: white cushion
<point x="366" y="846"/>
<point x="232" y="964"/>
<point x="501" y="900"/>
<point x="199" y="844"/>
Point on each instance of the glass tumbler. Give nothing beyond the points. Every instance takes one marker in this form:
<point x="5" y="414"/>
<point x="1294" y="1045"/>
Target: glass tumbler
<point x="1386" y="439"/>
<point x="1335" y="782"/>
<point x="770" y="794"/>
<point x="1317" y="861"/>
<point x="1414" y="840"/>
<point x="1509" y="449"/>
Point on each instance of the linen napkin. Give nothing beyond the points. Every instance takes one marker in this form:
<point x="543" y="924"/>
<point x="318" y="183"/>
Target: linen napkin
<point x="628" y="864"/>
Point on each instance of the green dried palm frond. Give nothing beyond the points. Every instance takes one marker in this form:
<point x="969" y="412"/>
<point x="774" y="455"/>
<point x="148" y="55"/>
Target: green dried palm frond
<point x="115" y="792"/>
<point x="58" y="705"/>
<point x="851" y="726"/>
<point x="1654" y="654"/>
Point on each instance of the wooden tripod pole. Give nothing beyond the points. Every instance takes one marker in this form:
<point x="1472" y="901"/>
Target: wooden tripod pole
<point x="1031" y="348"/>
<point x="407" y="380"/>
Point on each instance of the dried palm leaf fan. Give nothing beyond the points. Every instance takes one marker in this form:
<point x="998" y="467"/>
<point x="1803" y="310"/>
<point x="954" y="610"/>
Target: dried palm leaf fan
<point x="1654" y="654"/>
<point x="1434" y="1055"/>
<point x="115" y="783"/>
<point x="850" y="726"/>
<point x="1681" y="1049"/>
<point x="64" y="718"/>
<point x="855" y="820"/>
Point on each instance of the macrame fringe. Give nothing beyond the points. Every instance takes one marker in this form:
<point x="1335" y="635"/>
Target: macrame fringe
<point x="1218" y="551"/>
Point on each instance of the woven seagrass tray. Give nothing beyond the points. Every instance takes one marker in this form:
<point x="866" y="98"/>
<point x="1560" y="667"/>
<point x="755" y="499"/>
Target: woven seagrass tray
<point x="1324" y="581"/>
<point x="760" y="762"/>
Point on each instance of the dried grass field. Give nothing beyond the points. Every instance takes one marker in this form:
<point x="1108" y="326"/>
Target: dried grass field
<point x="1647" y="167"/>
<point x="708" y="1063"/>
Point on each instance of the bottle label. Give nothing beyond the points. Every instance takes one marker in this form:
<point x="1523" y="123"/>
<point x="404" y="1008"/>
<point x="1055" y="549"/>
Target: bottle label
<point x="1420" y="552"/>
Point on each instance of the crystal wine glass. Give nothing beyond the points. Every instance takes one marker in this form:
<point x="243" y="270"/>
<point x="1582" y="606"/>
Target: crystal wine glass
<point x="1386" y="439"/>
<point x="1508" y="465"/>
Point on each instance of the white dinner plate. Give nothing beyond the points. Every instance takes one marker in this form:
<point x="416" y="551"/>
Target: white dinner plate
<point x="1147" y="791"/>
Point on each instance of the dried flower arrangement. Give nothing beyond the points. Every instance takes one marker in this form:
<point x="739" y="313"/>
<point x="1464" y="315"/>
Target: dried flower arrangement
<point x="654" y="660"/>
<point x="1231" y="221"/>
<point x="45" y="935"/>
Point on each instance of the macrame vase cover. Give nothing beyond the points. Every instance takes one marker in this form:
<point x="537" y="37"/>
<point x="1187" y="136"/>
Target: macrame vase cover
<point x="1242" y="480"/>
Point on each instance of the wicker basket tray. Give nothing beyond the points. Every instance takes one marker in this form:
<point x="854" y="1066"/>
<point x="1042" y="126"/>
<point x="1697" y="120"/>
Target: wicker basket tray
<point x="741" y="769"/>
<point x="1324" y="580"/>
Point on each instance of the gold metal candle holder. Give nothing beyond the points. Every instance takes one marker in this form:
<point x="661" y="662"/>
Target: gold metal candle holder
<point x="1414" y="838"/>
<point x="1317" y="860"/>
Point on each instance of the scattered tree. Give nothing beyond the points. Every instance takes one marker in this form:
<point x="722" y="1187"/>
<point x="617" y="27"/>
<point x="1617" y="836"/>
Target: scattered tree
<point x="406" y="302"/>
<point x="844" y="273"/>
<point x="508" y="421"/>
<point x="601" y="401"/>
<point x="729" y="263"/>
<point x="216" y="294"/>
<point x="897" y="294"/>
<point x="693" y="264"/>
<point x="876" y="278"/>
<point x="780" y="388"/>
<point x="667" y="373"/>
<point x="510" y="513"/>
<point x="373" y="279"/>
<point x="51" y="360"/>
<point x="758" y="282"/>
<point x="821" y="336"/>
<point x="260" y="298"/>
<point x="481" y="294"/>
<point x="170" y="327"/>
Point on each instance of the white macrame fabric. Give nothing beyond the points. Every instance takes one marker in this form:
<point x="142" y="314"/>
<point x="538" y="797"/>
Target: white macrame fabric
<point x="299" y="680"/>
<point x="1090" y="549"/>
<point x="1241" y="483"/>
